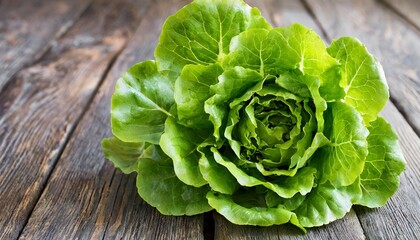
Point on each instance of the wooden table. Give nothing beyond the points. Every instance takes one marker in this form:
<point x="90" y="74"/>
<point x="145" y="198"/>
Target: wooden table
<point x="59" y="61"/>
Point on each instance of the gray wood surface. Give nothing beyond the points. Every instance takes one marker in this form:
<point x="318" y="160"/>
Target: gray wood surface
<point x="41" y="106"/>
<point x="394" y="42"/>
<point x="408" y="9"/>
<point x="59" y="61"/>
<point x="28" y="27"/>
<point x="285" y="12"/>
<point x="86" y="197"/>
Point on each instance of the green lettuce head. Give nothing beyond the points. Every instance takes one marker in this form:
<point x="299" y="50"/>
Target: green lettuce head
<point x="264" y="125"/>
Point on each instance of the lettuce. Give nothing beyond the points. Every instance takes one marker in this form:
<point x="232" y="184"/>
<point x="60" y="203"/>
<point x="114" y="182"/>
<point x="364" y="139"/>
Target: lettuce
<point x="264" y="125"/>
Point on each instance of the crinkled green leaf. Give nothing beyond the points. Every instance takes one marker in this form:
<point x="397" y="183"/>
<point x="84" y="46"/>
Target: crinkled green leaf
<point x="200" y="32"/>
<point x="302" y="181"/>
<point x="294" y="84"/>
<point x="180" y="143"/>
<point x="324" y="205"/>
<point x="296" y="47"/>
<point x="256" y="216"/>
<point x="291" y="204"/>
<point x="363" y="78"/>
<point x="318" y="141"/>
<point x="330" y="88"/>
<point x="342" y="160"/>
<point x="192" y="89"/>
<point x="384" y="163"/>
<point x="279" y="50"/>
<point x="233" y="83"/>
<point x="246" y="50"/>
<point x="313" y="85"/>
<point x="286" y="186"/>
<point x="239" y="133"/>
<point x="218" y="177"/>
<point x="141" y="103"/>
<point x="158" y="185"/>
<point x="306" y="141"/>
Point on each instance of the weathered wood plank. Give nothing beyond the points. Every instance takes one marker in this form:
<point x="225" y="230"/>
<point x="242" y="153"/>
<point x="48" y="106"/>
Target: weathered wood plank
<point x="400" y="218"/>
<point x="27" y="28"/>
<point x="40" y="108"/>
<point x="85" y="196"/>
<point x="409" y="9"/>
<point x="387" y="36"/>
<point x="282" y="13"/>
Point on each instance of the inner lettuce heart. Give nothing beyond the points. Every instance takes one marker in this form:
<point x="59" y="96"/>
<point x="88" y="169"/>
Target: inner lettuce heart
<point x="265" y="125"/>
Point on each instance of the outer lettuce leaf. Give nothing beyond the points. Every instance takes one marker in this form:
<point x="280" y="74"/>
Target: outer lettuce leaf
<point x="156" y="180"/>
<point x="325" y="204"/>
<point x="286" y="48"/>
<point x="141" y="103"/>
<point x="192" y="89"/>
<point x="200" y="32"/>
<point x="363" y="78"/>
<point x="159" y="186"/>
<point x="180" y="143"/>
<point x="296" y="47"/>
<point x="125" y="155"/>
<point x="218" y="177"/>
<point x="330" y="88"/>
<point x="342" y="160"/>
<point x="256" y="216"/>
<point x="290" y="204"/>
<point x="384" y="163"/>
<point x="246" y="50"/>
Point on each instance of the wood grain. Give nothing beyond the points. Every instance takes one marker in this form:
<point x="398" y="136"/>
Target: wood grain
<point x="409" y="9"/>
<point x="400" y="218"/>
<point x="282" y="13"/>
<point x="41" y="106"/>
<point x="386" y="35"/>
<point x="28" y="27"/>
<point x="85" y="196"/>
